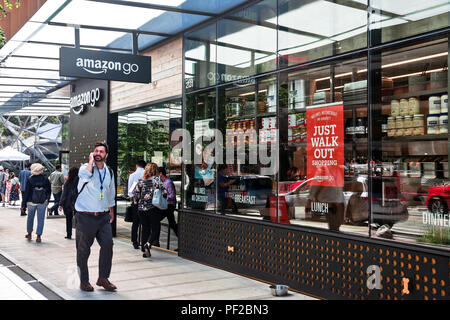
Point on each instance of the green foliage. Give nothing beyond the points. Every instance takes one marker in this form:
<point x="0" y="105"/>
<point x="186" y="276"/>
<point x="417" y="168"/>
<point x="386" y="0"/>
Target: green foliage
<point x="436" y="235"/>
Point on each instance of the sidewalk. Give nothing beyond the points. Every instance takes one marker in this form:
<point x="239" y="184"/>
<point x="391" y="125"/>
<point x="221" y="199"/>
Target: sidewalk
<point x="52" y="265"/>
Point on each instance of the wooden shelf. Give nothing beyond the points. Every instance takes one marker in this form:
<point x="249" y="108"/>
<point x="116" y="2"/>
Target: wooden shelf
<point x="259" y="115"/>
<point x="426" y="137"/>
<point x="423" y="93"/>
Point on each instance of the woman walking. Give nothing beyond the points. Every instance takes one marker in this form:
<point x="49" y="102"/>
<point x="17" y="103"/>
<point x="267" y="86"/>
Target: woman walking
<point x="68" y="197"/>
<point x="149" y="215"/>
<point x="37" y="194"/>
<point x="14" y="192"/>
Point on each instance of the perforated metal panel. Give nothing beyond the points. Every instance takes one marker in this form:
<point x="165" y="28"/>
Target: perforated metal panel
<point x="319" y="263"/>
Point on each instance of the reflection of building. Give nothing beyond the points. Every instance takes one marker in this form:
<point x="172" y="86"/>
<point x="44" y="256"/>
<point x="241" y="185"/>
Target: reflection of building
<point x="259" y="68"/>
<point x="38" y="136"/>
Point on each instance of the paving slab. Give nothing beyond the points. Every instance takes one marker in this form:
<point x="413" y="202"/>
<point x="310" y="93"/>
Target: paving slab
<point x="52" y="271"/>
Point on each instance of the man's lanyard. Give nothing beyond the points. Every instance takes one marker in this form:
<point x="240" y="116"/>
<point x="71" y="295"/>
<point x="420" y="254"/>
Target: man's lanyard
<point x="101" y="181"/>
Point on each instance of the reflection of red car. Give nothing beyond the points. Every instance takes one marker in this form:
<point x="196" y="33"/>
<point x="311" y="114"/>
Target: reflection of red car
<point x="438" y="200"/>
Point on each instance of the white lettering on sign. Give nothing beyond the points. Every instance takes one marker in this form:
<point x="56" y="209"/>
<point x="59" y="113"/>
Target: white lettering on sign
<point x="102" y="66"/>
<point x="437" y="219"/>
<point x="80" y="102"/>
<point x="319" y="207"/>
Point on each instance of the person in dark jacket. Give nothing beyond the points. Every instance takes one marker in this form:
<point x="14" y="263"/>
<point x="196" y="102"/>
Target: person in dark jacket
<point x="68" y="196"/>
<point x="37" y="194"/>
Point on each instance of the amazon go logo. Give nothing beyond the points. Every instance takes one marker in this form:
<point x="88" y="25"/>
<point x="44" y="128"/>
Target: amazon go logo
<point x="80" y="102"/>
<point x="96" y="66"/>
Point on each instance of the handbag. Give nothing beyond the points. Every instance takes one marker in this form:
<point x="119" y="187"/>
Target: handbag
<point x="129" y="214"/>
<point x="158" y="200"/>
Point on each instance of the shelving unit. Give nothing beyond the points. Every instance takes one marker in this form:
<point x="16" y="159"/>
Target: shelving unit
<point x="422" y="94"/>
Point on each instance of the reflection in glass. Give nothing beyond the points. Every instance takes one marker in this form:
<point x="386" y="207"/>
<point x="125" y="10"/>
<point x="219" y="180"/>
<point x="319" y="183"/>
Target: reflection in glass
<point x="246" y="42"/>
<point x="200" y="172"/>
<point x="410" y="201"/>
<point x="319" y="193"/>
<point x="403" y="18"/>
<point x="310" y="30"/>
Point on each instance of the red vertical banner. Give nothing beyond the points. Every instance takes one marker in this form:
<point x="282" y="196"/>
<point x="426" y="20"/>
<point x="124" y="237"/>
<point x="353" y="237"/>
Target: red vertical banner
<point x="325" y="145"/>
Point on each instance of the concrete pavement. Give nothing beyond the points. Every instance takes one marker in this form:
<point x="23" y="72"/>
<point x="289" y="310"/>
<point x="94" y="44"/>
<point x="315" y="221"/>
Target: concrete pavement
<point x="47" y="270"/>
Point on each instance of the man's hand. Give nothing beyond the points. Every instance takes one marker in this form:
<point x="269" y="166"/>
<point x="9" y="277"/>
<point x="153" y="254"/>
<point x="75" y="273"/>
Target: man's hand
<point x="60" y="208"/>
<point x="91" y="158"/>
<point x="111" y="213"/>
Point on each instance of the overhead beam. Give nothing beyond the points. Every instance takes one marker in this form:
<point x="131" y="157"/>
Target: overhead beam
<point x="156" y="7"/>
<point x="84" y="26"/>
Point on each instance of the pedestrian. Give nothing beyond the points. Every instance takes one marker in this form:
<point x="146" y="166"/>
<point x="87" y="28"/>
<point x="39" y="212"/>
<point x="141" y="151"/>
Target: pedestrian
<point x="57" y="180"/>
<point x="3" y="180"/>
<point x="14" y="189"/>
<point x="149" y="215"/>
<point x="171" y="201"/>
<point x="132" y="181"/>
<point x="37" y="194"/>
<point x="68" y="197"/>
<point x="94" y="213"/>
<point x="23" y="177"/>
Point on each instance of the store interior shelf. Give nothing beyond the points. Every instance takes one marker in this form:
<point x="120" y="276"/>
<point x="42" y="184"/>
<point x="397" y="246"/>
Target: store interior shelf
<point x="251" y="116"/>
<point x="423" y="93"/>
<point x="426" y="137"/>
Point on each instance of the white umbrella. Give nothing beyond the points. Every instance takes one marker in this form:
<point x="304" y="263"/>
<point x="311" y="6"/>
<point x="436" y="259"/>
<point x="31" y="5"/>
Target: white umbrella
<point x="10" y="154"/>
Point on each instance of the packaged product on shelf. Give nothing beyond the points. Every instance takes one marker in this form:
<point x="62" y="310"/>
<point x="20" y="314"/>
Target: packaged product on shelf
<point x="433" y="124"/>
<point x="417" y="83"/>
<point x="443" y="123"/>
<point x="391" y="123"/>
<point x="434" y="104"/>
<point x="444" y="103"/>
<point x="408" y="125"/>
<point x="418" y="125"/>
<point x="391" y="132"/>
<point x="414" y="106"/>
<point x="300" y="119"/>
<point x="302" y="133"/>
<point x="399" y="126"/>
<point x="272" y="98"/>
<point x="292" y="121"/>
<point x="395" y="108"/>
<point x="297" y="94"/>
<point x="404" y="107"/>
<point x="290" y="136"/>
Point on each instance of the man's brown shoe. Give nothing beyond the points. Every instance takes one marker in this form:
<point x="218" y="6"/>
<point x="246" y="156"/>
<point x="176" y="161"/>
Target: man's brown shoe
<point x="103" y="282"/>
<point x="86" y="286"/>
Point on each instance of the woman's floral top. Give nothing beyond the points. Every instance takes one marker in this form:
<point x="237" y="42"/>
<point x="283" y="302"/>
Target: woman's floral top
<point x="143" y="192"/>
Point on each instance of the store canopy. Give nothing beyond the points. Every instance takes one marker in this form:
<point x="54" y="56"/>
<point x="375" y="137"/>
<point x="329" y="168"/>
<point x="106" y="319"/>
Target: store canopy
<point x="30" y="83"/>
<point x="10" y="154"/>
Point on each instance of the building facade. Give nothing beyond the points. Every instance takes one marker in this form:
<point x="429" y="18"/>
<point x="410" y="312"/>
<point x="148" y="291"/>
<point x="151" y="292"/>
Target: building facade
<point x="318" y="147"/>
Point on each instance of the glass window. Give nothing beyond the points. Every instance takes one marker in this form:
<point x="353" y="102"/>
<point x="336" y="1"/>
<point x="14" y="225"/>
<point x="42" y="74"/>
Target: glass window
<point x="323" y="154"/>
<point x="200" y="173"/>
<point x="310" y="30"/>
<point x="246" y="42"/>
<point x="410" y="190"/>
<point x="144" y="134"/>
<point x="200" y="58"/>
<point x="394" y="20"/>
<point x="247" y="174"/>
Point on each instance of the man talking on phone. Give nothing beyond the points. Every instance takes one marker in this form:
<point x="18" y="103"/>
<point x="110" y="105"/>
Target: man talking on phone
<point x="94" y="214"/>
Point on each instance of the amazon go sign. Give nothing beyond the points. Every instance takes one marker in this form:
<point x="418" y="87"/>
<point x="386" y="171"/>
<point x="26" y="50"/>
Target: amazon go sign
<point x="91" y="64"/>
<point x="80" y="102"/>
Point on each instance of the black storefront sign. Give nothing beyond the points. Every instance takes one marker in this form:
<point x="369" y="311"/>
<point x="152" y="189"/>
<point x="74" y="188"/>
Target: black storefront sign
<point x="80" y="63"/>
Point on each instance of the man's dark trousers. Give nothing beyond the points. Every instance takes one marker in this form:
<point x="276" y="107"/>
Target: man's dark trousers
<point x="135" y="225"/>
<point x="57" y="197"/>
<point x="88" y="228"/>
